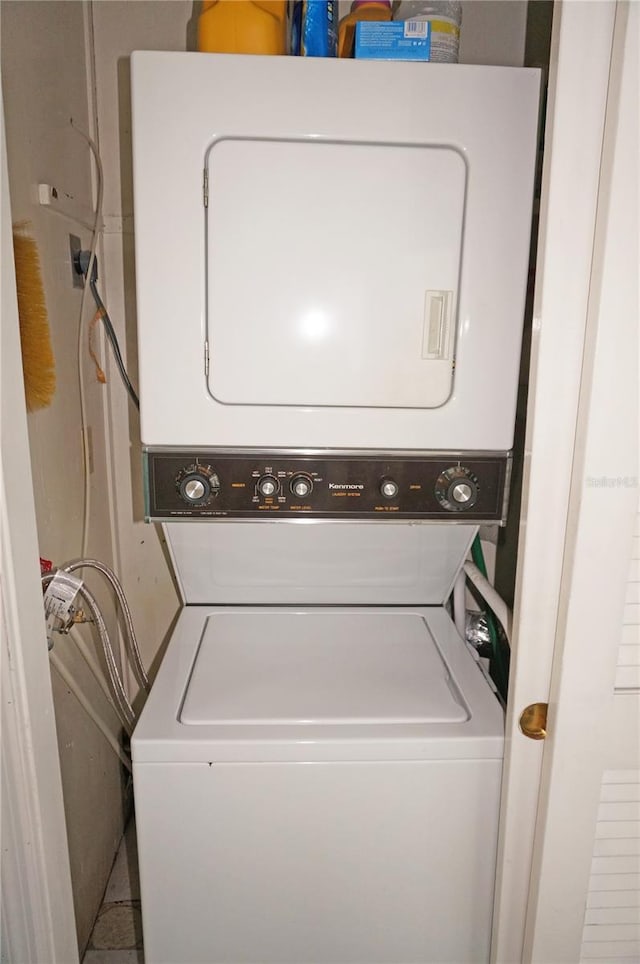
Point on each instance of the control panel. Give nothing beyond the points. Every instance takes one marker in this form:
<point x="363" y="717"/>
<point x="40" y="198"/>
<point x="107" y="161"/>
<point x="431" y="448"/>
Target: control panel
<point x="229" y="484"/>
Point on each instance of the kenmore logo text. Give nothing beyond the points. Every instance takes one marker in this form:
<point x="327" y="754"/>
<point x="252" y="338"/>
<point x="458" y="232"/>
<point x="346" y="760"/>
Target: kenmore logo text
<point x="346" y="485"/>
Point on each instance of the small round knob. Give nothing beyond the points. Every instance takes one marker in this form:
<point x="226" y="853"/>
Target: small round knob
<point x="268" y="485"/>
<point x="301" y="486"/>
<point x="461" y="492"/>
<point x="389" y="488"/>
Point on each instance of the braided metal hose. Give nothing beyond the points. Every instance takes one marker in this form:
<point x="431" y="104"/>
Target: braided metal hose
<point x="124" y="707"/>
<point x="130" y="635"/>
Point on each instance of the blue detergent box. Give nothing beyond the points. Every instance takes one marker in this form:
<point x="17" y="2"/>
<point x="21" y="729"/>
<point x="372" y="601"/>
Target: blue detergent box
<point x="393" y="40"/>
<point x="314" y="28"/>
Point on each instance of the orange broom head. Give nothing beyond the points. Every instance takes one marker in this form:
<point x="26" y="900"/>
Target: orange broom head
<point x="38" y="362"/>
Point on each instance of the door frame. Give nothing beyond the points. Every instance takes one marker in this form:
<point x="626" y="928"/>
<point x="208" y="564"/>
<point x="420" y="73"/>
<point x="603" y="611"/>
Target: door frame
<point x="547" y="652"/>
<point x="603" y="509"/>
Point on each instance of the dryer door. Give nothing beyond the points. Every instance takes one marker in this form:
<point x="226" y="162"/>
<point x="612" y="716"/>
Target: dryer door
<point x="333" y="271"/>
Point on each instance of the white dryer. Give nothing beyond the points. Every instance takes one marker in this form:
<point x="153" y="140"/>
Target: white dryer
<point x="331" y="263"/>
<point x="330" y="253"/>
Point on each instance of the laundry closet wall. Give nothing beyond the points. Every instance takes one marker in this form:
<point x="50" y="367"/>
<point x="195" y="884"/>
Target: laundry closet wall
<point x="49" y="50"/>
<point x="45" y="79"/>
<point x="60" y="61"/>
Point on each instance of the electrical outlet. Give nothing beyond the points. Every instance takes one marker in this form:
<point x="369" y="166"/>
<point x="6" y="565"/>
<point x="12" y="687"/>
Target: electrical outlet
<point x="75" y="247"/>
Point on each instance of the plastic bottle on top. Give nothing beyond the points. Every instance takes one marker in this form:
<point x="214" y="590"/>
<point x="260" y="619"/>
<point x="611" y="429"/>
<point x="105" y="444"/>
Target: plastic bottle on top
<point x="375" y="10"/>
<point x="243" y="27"/>
<point x="445" y="17"/>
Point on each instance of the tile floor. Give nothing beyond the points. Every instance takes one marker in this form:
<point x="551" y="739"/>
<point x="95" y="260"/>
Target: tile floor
<point x="117" y="933"/>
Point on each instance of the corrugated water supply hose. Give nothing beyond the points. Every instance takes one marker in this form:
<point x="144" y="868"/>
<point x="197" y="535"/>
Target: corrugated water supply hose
<point x="501" y="670"/>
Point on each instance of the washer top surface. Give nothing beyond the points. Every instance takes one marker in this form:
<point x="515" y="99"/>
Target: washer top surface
<point x="320" y="667"/>
<point x="324" y="683"/>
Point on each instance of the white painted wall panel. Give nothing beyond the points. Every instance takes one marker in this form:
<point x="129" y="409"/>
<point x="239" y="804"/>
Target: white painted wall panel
<point x="612" y="919"/>
<point x="628" y="670"/>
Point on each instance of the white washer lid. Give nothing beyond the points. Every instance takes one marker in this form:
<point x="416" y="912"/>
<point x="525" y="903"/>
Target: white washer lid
<point x="163" y="736"/>
<point x="319" y="667"/>
<point x="328" y="563"/>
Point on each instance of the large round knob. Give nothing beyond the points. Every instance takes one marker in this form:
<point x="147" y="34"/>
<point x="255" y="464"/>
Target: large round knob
<point x="301" y="486"/>
<point x="195" y="489"/>
<point x="268" y="485"/>
<point x="457" y="489"/>
<point x="389" y="488"/>
<point x="461" y="492"/>
<point x="197" y="484"/>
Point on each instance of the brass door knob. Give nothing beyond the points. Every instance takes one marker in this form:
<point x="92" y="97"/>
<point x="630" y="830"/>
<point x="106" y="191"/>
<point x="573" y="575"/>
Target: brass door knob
<point x="533" y="721"/>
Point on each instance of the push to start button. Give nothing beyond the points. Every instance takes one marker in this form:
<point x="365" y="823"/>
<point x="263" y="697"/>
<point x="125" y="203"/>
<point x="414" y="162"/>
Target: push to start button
<point x="389" y="489"/>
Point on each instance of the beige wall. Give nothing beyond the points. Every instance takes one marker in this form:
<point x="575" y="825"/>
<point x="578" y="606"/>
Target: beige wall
<point x="493" y="32"/>
<point x="44" y="85"/>
<point x="48" y="58"/>
<point x="120" y="27"/>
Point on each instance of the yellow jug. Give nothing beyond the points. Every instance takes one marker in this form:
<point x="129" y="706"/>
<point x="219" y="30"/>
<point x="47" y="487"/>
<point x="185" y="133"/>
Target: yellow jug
<point x="360" y="10"/>
<point x="243" y="27"/>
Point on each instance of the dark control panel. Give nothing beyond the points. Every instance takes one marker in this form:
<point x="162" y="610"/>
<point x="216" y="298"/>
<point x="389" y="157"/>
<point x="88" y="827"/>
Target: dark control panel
<point x="262" y="485"/>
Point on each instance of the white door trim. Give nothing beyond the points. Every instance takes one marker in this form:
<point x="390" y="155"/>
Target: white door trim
<point x="602" y="513"/>
<point x="579" y="74"/>
<point x="37" y="918"/>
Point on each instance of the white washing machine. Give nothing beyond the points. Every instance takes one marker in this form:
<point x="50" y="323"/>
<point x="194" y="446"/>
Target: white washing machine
<point x="331" y="262"/>
<point x="316" y="782"/>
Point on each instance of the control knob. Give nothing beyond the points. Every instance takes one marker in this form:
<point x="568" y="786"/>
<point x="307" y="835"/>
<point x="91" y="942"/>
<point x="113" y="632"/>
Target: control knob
<point x="457" y="489"/>
<point x="197" y="484"/>
<point x="268" y="485"/>
<point x="301" y="486"/>
<point x="389" y="489"/>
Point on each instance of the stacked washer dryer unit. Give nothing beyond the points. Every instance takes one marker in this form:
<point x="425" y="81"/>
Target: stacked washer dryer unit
<point x="331" y="264"/>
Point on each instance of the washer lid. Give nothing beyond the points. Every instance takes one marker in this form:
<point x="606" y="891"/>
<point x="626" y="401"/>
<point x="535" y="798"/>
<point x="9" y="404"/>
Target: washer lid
<point x="320" y="667"/>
